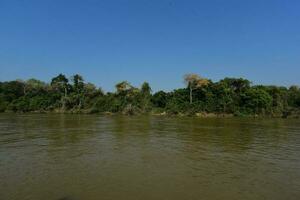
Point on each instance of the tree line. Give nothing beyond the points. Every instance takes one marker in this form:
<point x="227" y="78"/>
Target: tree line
<point x="235" y="96"/>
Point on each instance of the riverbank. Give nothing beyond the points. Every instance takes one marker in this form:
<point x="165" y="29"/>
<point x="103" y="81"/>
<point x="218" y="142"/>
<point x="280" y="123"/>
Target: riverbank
<point x="291" y="114"/>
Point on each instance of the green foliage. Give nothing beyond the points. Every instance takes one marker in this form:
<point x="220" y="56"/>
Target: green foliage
<point x="159" y="99"/>
<point x="107" y="103"/>
<point x="3" y="104"/>
<point x="294" y="96"/>
<point x="20" y="105"/>
<point x="257" y="101"/>
<point x="178" y="101"/>
<point x="230" y="95"/>
<point x="12" y="90"/>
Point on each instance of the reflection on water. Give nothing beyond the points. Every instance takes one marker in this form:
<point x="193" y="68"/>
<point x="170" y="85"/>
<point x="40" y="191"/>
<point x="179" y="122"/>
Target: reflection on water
<point x="89" y="157"/>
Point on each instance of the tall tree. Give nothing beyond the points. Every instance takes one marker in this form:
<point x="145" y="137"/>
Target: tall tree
<point x="78" y="88"/>
<point x="146" y="89"/>
<point x="123" y="86"/>
<point x="60" y="83"/>
<point x="78" y="83"/>
<point x="194" y="81"/>
<point x="146" y="96"/>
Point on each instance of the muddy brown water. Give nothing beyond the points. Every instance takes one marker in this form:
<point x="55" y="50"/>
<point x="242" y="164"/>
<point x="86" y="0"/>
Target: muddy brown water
<point x="91" y="157"/>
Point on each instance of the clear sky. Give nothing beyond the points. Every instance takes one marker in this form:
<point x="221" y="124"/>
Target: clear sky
<point x="157" y="41"/>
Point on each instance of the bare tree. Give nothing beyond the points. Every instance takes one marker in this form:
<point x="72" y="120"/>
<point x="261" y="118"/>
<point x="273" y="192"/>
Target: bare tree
<point x="194" y="81"/>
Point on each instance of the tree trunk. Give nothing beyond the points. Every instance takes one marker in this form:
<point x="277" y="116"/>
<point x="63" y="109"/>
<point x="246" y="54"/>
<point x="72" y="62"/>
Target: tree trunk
<point x="64" y="99"/>
<point x="191" y="95"/>
<point x="65" y="91"/>
<point x="80" y="102"/>
<point x="24" y="90"/>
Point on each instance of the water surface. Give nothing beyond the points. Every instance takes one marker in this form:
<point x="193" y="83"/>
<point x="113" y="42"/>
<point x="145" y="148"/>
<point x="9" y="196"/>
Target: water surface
<point x="91" y="157"/>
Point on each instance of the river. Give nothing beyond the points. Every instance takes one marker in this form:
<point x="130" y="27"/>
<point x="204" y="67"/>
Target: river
<point x="94" y="157"/>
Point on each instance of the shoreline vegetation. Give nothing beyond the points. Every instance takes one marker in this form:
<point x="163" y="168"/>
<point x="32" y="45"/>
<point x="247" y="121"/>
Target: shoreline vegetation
<point x="201" y="97"/>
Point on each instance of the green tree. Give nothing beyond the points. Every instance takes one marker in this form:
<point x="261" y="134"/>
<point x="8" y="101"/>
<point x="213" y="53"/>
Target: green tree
<point x="60" y="84"/>
<point x="159" y="99"/>
<point x="34" y="87"/>
<point x="78" y="83"/>
<point x="224" y="97"/>
<point x="12" y="90"/>
<point x="294" y="96"/>
<point x="238" y="85"/>
<point x="78" y="88"/>
<point x="145" y="97"/>
<point x="258" y="101"/>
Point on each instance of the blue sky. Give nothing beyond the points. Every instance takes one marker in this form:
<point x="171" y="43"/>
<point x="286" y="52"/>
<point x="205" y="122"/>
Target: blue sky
<point x="157" y="41"/>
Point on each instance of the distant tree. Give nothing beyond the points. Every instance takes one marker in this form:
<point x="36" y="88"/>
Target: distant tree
<point x="91" y="91"/>
<point x="23" y="83"/>
<point x="237" y="84"/>
<point x="194" y="81"/>
<point x="78" y="83"/>
<point x="34" y="86"/>
<point x="177" y="101"/>
<point x="123" y="86"/>
<point x="159" y="99"/>
<point x="12" y="90"/>
<point x="258" y="100"/>
<point x="78" y="89"/>
<point x="146" y="89"/>
<point x="294" y="96"/>
<point x="146" y="96"/>
<point x="60" y="83"/>
<point x="34" y="83"/>
<point x="224" y="97"/>
<point x="3" y="102"/>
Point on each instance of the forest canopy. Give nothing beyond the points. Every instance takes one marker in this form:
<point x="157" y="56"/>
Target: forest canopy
<point x="236" y="96"/>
